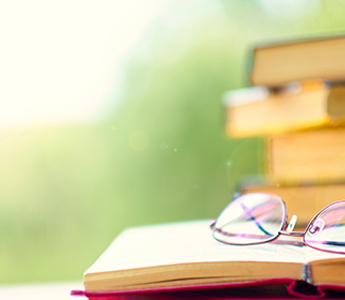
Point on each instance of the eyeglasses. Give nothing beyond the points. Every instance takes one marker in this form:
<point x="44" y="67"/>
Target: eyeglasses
<point x="260" y="218"/>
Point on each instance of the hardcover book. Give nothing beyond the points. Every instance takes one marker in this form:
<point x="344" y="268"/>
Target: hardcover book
<point x="259" y="111"/>
<point x="281" y="63"/>
<point x="309" y="156"/>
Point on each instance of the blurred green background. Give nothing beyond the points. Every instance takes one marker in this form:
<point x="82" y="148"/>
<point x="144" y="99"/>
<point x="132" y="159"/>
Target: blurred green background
<point x="158" y="153"/>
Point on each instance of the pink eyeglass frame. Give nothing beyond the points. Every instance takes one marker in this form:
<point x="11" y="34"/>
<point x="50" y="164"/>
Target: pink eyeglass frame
<point x="283" y="230"/>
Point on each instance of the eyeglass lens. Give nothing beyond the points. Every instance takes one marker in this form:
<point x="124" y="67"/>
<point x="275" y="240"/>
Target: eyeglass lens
<point x="250" y="219"/>
<point x="326" y="231"/>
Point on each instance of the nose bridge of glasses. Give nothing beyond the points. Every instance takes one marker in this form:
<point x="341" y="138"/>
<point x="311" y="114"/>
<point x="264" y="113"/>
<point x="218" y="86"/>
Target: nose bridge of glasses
<point x="289" y="233"/>
<point x="289" y="229"/>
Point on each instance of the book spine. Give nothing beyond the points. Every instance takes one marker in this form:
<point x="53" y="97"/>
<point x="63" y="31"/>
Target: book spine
<point x="306" y="273"/>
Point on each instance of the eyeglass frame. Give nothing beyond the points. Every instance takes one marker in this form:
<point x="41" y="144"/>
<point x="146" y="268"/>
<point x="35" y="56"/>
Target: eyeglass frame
<point x="285" y="228"/>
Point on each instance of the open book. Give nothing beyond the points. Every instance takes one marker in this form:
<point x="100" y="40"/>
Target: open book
<point x="185" y="256"/>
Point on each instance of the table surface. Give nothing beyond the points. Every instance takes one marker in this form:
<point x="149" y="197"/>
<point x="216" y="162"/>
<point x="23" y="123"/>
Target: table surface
<point x="46" y="291"/>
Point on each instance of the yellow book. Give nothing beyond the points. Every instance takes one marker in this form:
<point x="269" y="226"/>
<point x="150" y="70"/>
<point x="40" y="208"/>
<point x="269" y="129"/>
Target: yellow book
<point x="315" y="155"/>
<point x="322" y="58"/>
<point x="258" y="111"/>
<point x="184" y="255"/>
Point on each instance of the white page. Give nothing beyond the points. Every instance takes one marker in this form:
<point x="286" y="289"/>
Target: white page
<point x="185" y="242"/>
<point x="312" y="254"/>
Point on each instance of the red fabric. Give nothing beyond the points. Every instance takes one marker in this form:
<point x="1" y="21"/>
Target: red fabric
<point x="278" y="288"/>
<point x="274" y="281"/>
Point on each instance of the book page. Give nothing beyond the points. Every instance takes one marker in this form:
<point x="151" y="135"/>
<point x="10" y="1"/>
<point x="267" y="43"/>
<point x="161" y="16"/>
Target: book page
<point x="314" y="255"/>
<point x="186" y="242"/>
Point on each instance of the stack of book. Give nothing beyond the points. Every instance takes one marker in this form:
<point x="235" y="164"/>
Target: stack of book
<point x="297" y="103"/>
